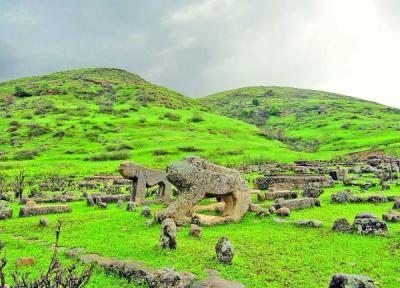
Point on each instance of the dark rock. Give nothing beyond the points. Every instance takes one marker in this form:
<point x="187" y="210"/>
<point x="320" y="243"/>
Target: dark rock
<point x="225" y="251"/>
<point x="396" y="204"/>
<point x="342" y="225"/>
<point x="168" y="234"/>
<point x="366" y="215"/>
<point x="131" y="206"/>
<point x="351" y="281"/>
<point x="195" y="231"/>
<point x="5" y="213"/>
<point x="260" y="197"/>
<point x="377" y="199"/>
<point x="391" y="216"/>
<point x="312" y="191"/>
<point x="44" y="222"/>
<point x="308" y="223"/>
<point x="146" y="212"/>
<point x="280" y="194"/>
<point x="369" y="226"/>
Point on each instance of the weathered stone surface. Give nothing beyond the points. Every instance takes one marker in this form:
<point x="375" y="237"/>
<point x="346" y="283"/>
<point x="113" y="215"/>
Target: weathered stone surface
<point x="74" y="252"/>
<point x="396" y="204"/>
<point x="342" y="197"/>
<point x="119" y="203"/>
<point x="102" y="205"/>
<point x="25" y="261"/>
<point x="351" y="281"/>
<point x="218" y="282"/>
<point x="280" y="194"/>
<point x="49" y="199"/>
<point x="365" y="225"/>
<point x="43" y="210"/>
<point x="254" y="207"/>
<point x="44" y="222"/>
<point x="197" y="179"/>
<point x="131" y="206"/>
<point x="296" y="181"/>
<point x="284" y="211"/>
<point x="271" y="209"/>
<point x="140" y="274"/>
<point x="263" y="214"/>
<point x="5" y="213"/>
<point x="89" y="200"/>
<point x="260" y="197"/>
<point x="308" y="223"/>
<point x="143" y="177"/>
<point x="168" y="234"/>
<point x="299" y="203"/>
<point x="313" y="191"/>
<point x="195" y="231"/>
<point x="391" y="216"/>
<point x="146" y="212"/>
<point x="225" y="251"/>
<point x="342" y="225"/>
<point x="377" y="199"/>
<point x="110" y="198"/>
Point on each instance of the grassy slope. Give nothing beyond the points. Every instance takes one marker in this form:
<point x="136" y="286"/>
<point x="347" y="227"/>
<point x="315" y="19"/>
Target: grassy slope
<point x="339" y="123"/>
<point x="268" y="254"/>
<point x="74" y="121"/>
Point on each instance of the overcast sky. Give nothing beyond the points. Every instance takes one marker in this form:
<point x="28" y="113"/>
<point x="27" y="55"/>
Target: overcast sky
<point x="201" y="47"/>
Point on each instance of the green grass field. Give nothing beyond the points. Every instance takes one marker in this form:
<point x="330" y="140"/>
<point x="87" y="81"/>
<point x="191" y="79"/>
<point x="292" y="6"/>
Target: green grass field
<point x="268" y="254"/>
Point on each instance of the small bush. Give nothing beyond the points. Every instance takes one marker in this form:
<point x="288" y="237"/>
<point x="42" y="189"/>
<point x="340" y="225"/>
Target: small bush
<point x="26" y="154"/>
<point x="142" y="120"/>
<point x="172" y="117"/>
<point x="107" y="156"/>
<point x="37" y="130"/>
<point x="119" y="147"/>
<point x="189" y="149"/>
<point x="160" y="152"/>
<point x="197" y="118"/>
<point x="255" y="102"/>
<point x="346" y="126"/>
<point x="21" y="93"/>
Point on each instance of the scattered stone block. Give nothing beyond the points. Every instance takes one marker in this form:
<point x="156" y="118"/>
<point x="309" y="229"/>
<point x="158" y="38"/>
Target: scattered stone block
<point x="377" y="199"/>
<point x="280" y="194"/>
<point x="5" y="213"/>
<point x="391" y="216"/>
<point x="89" y="200"/>
<point x="260" y="197"/>
<point x="44" y="222"/>
<point x="110" y="198"/>
<point x="102" y="205"/>
<point x="43" y="210"/>
<point x="195" y="231"/>
<point x="263" y="214"/>
<point x="308" y="223"/>
<point x="146" y="212"/>
<point x="254" y="207"/>
<point x="71" y="253"/>
<point x="342" y="225"/>
<point x="396" y="204"/>
<point x="369" y="224"/>
<point x="119" y="203"/>
<point x="284" y="211"/>
<point x="351" y="281"/>
<point x="168" y="234"/>
<point x="131" y="206"/>
<point x="300" y="203"/>
<point x="218" y="282"/>
<point x="225" y="251"/>
<point x="271" y="209"/>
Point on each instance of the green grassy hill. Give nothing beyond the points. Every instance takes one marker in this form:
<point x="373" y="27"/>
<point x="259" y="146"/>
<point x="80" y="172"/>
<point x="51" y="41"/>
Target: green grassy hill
<point x="315" y="121"/>
<point x="87" y="121"/>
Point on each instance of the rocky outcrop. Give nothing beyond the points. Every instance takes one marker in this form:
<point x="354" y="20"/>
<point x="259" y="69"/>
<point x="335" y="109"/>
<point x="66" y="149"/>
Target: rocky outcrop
<point x="280" y="194"/>
<point x="391" y="216"/>
<point x="5" y="212"/>
<point x="225" y="251"/>
<point x="168" y="234"/>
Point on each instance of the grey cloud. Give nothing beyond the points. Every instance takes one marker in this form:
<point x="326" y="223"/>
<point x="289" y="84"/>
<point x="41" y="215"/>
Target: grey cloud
<point x="200" y="47"/>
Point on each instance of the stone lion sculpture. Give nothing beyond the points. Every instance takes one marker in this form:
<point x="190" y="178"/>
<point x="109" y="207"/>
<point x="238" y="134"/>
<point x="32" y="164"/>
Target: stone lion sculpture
<point x="142" y="178"/>
<point x="197" y="179"/>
